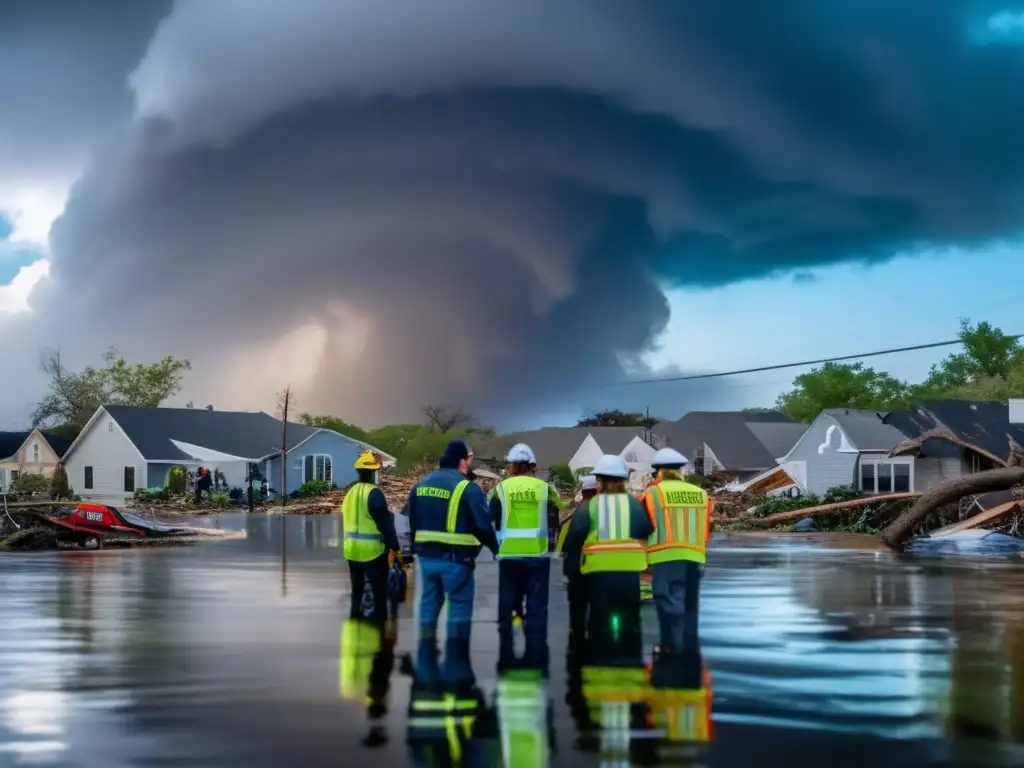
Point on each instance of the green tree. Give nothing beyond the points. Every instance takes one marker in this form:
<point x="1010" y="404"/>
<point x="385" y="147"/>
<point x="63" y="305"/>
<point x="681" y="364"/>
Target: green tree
<point x="842" y="385"/>
<point x="562" y="476"/>
<point x="617" y="418"/>
<point x="60" y="489"/>
<point x="326" y="421"/>
<point x="990" y="367"/>
<point x="74" y="397"/>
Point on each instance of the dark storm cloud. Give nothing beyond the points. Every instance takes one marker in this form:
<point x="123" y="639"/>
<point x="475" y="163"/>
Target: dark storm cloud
<point x="499" y="188"/>
<point x="63" y="65"/>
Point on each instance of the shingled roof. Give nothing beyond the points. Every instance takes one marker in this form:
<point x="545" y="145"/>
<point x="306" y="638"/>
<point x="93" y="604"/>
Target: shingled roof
<point x="739" y="440"/>
<point x="553" y="444"/>
<point x="248" y="435"/>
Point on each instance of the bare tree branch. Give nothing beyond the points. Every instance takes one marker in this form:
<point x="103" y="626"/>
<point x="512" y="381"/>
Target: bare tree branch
<point x="445" y="418"/>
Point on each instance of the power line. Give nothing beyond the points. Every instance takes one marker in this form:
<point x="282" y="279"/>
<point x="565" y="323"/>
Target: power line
<point x="800" y="364"/>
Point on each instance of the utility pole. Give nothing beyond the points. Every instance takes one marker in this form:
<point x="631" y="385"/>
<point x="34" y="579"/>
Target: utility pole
<point x="285" y="401"/>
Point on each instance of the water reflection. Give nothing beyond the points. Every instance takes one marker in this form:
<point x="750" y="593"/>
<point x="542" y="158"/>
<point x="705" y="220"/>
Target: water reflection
<point x="196" y="657"/>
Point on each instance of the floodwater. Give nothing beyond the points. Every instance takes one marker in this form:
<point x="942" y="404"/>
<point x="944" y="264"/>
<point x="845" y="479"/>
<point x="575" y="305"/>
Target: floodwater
<point x="227" y="654"/>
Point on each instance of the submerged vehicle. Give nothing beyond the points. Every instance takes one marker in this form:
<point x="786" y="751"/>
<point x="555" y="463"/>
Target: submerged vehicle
<point x="90" y="525"/>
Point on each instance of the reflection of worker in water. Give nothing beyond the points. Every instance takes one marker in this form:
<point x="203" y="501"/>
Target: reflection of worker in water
<point x="367" y="660"/>
<point x="369" y="534"/>
<point x="607" y="688"/>
<point x="523" y="707"/>
<point x="447" y="713"/>
<point x="679" y="696"/>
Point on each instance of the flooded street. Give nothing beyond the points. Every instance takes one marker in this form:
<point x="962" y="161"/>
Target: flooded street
<point x="227" y="654"/>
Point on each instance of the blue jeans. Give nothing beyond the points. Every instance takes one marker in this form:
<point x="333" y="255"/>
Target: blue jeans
<point x="439" y="580"/>
<point x="676" y="586"/>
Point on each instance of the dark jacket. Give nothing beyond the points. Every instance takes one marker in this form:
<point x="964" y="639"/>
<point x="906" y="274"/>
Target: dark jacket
<point x="431" y="513"/>
<point x="553" y="510"/>
<point x="571" y="565"/>
<point x="639" y="528"/>
<point x="377" y="505"/>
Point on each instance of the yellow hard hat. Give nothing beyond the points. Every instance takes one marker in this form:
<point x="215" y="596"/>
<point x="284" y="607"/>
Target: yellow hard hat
<point x="367" y="461"/>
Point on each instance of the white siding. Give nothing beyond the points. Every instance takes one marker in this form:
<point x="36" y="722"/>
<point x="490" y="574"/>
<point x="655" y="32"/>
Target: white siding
<point x="587" y="455"/>
<point x="638" y="455"/>
<point x="830" y="458"/>
<point x="106" y="449"/>
<point x="929" y="472"/>
<point x="1017" y="410"/>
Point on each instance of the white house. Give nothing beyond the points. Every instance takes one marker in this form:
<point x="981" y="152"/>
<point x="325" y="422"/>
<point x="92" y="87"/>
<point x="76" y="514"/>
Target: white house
<point x="122" y="449"/>
<point x="31" y="452"/>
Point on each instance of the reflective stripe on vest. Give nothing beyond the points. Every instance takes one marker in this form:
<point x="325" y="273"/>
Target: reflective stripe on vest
<point x="680" y="522"/>
<point x="522" y="704"/>
<point x="455" y="717"/>
<point x="608" y="548"/>
<point x="363" y="540"/>
<point x="449" y="536"/>
<point x="524" y="517"/>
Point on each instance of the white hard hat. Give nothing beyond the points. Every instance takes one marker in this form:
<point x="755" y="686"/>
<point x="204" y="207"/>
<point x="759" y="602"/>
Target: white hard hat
<point x="589" y="483"/>
<point x="668" y="457"/>
<point x="520" y="453"/>
<point x="612" y="466"/>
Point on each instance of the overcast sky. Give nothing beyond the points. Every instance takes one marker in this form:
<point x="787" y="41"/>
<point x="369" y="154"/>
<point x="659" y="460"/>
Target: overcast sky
<point x="503" y="205"/>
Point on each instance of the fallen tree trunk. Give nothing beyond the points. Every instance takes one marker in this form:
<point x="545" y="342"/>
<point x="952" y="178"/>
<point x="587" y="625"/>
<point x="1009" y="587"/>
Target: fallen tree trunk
<point x="826" y="509"/>
<point x="977" y="520"/>
<point x="901" y="529"/>
<point x="941" y="433"/>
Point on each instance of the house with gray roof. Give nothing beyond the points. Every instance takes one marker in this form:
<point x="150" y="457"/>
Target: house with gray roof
<point x="122" y="449"/>
<point x="579" y="447"/>
<point x="737" y="442"/>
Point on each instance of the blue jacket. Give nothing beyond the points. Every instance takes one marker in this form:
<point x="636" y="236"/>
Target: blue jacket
<point x="431" y="513"/>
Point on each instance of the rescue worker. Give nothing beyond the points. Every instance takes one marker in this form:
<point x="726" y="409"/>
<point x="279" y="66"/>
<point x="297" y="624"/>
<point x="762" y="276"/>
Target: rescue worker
<point x="576" y="587"/>
<point x="369" y="536"/>
<point x="523" y="510"/>
<point x="523" y="706"/>
<point x="447" y="710"/>
<point x="609" y="542"/>
<point x="681" y="515"/>
<point x="449" y="521"/>
<point x="367" y="660"/>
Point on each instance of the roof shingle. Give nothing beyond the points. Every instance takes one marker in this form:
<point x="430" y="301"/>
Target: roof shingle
<point x="739" y="440"/>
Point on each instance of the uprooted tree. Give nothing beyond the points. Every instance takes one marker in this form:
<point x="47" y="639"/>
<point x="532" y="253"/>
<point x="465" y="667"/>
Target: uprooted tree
<point x="74" y="397"/>
<point x="1009" y="474"/>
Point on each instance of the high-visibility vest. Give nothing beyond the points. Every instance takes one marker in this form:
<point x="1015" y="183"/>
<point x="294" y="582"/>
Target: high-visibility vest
<point x="680" y="515"/>
<point x="524" y="517"/>
<point x="360" y="642"/>
<point x="522" y="716"/>
<point x="608" y="548"/>
<point x="448" y="535"/>
<point x="363" y="540"/>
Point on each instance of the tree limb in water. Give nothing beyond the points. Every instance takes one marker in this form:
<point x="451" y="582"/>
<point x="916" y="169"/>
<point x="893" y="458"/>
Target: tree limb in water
<point x="826" y="509"/>
<point x="903" y="527"/>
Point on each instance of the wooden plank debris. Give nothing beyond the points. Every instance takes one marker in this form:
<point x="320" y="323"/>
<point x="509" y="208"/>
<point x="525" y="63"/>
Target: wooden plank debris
<point x="976" y="521"/>
<point x="827" y="509"/>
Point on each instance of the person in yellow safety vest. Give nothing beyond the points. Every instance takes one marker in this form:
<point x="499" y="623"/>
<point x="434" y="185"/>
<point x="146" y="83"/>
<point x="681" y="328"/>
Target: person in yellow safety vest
<point x="366" y="661"/>
<point x="680" y="696"/>
<point x="681" y="515"/>
<point x="369" y="536"/>
<point x="610" y="543"/>
<point x="524" y="716"/>
<point x="524" y="509"/>
<point x="576" y="588"/>
<point x="447" y="711"/>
